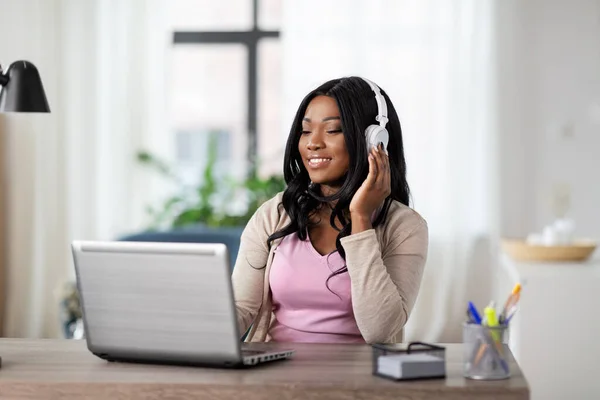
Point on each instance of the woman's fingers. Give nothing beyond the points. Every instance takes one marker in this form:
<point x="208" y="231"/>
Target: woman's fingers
<point x="372" y="177"/>
<point x="380" y="166"/>
<point x="387" y="170"/>
<point x="384" y="180"/>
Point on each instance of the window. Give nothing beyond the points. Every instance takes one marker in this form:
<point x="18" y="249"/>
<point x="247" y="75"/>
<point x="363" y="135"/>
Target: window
<point x="208" y="96"/>
<point x="225" y="79"/>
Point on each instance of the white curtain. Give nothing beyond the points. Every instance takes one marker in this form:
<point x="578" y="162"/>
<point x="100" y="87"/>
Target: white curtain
<point x="435" y="59"/>
<point x="72" y="174"/>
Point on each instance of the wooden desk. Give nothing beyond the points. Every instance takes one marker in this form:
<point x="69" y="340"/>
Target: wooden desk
<point x="64" y="369"/>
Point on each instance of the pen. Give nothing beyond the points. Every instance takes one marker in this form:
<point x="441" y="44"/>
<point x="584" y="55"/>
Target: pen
<point x="491" y="319"/>
<point x="474" y="313"/>
<point x="510" y="314"/>
<point x="490" y="315"/>
<point x="512" y="300"/>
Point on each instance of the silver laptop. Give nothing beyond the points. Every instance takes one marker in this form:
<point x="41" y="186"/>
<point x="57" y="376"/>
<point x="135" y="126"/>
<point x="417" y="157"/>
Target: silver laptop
<point x="168" y="303"/>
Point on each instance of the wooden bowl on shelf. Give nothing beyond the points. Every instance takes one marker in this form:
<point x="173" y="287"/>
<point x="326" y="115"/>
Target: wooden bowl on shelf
<point x="520" y="250"/>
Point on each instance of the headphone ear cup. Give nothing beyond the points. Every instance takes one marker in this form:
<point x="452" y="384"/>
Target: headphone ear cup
<point x="370" y="137"/>
<point x="375" y="134"/>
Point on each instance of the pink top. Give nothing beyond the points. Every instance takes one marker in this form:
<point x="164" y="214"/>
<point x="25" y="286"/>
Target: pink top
<point x="305" y="308"/>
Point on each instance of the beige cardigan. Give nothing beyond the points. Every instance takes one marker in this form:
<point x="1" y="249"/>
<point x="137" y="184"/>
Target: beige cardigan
<point x="385" y="266"/>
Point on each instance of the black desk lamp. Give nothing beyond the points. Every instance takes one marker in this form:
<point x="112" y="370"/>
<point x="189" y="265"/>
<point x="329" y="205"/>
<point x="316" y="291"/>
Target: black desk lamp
<point x="21" y="89"/>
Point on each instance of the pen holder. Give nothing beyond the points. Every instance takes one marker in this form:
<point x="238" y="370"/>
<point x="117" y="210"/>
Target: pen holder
<point x="486" y="352"/>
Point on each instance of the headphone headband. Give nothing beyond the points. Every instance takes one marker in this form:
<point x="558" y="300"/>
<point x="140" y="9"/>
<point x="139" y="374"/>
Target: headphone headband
<point x="381" y="104"/>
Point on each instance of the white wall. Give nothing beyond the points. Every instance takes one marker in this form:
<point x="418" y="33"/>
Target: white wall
<point x="549" y="77"/>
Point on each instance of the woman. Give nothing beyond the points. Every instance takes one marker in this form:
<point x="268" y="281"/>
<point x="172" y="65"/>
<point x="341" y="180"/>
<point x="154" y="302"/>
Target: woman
<point x="338" y="256"/>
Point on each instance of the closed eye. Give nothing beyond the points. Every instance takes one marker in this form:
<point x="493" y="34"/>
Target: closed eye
<point x="335" y="131"/>
<point x="305" y="132"/>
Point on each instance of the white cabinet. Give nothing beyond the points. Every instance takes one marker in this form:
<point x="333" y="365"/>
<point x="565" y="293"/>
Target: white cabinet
<point x="555" y="334"/>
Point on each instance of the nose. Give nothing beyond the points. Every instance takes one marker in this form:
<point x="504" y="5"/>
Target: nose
<point x="315" y="142"/>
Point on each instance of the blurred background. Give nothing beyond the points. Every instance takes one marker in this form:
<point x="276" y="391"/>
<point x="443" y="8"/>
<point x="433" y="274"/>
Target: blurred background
<point x="172" y="116"/>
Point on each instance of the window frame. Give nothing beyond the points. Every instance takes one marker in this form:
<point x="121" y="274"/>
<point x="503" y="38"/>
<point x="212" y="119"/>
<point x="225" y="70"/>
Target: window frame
<point x="249" y="38"/>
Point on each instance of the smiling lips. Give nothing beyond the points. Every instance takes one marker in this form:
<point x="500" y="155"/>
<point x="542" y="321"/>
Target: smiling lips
<point x="319" y="162"/>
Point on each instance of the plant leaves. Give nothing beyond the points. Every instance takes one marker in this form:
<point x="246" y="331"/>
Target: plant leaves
<point x="198" y="207"/>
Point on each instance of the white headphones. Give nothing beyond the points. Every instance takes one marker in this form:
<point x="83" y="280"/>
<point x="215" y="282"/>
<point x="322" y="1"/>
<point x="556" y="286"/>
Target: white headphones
<point x="375" y="134"/>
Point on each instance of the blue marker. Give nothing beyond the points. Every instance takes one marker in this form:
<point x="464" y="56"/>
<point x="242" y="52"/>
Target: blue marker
<point x="474" y="313"/>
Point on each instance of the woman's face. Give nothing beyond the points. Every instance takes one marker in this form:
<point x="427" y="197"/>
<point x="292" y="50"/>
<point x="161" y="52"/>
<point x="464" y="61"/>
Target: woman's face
<point x="322" y="145"/>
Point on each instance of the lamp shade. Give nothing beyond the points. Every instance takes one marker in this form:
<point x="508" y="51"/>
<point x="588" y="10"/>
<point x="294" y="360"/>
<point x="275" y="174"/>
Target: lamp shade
<point x="21" y="89"/>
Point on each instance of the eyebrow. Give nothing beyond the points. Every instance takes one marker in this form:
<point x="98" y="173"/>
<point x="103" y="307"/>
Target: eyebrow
<point x="323" y="120"/>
